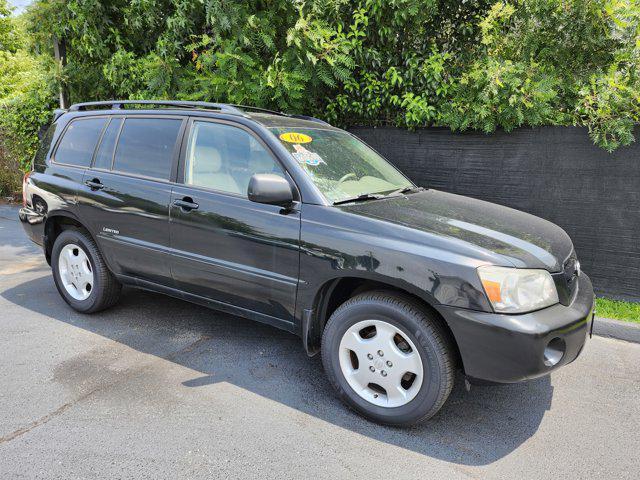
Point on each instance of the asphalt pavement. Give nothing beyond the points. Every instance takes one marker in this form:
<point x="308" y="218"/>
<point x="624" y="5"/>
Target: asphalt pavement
<point x="159" y="388"/>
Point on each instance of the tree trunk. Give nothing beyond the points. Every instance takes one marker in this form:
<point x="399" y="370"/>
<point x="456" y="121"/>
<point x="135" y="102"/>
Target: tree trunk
<point x="60" y="52"/>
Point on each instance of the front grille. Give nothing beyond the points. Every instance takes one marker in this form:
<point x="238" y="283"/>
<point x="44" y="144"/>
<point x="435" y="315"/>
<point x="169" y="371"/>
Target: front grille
<point x="567" y="280"/>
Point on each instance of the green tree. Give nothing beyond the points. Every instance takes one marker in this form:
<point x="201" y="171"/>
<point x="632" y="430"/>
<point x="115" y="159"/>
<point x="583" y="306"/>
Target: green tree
<point x="26" y="99"/>
<point x="278" y="54"/>
<point x="568" y="62"/>
<point x="481" y="64"/>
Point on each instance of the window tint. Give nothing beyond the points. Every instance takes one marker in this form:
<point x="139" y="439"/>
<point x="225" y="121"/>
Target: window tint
<point x="222" y="157"/>
<point x="104" y="155"/>
<point x="45" y="144"/>
<point x="146" y="146"/>
<point x="79" y="141"/>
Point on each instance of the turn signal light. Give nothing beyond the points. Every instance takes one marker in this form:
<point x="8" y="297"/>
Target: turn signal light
<point x="493" y="290"/>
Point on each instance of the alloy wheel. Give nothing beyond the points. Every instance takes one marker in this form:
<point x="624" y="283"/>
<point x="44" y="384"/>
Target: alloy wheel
<point x="75" y="271"/>
<point x="381" y="363"/>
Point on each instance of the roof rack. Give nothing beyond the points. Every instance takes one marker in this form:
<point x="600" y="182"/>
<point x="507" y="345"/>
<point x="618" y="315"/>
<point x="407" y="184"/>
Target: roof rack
<point x="248" y="108"/>
<point x="273" y="112"/>
<point x="118" y="104"/>
<point x="222" y="107"/>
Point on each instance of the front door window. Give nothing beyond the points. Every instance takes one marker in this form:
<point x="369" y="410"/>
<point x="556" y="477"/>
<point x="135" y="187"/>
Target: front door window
<point x="222" y="157"/>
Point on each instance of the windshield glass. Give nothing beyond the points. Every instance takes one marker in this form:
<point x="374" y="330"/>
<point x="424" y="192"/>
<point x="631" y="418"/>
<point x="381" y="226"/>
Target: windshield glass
<point x="340" y="165"/>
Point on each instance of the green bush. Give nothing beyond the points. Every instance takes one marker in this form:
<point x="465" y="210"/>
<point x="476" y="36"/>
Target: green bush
<point x="481" y="64"/>
<point x="26" y="100"/>
<point x="488" y="65"/>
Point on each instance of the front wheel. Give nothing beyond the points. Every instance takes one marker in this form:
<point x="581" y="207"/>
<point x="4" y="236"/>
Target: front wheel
<point x="388" y="358"/>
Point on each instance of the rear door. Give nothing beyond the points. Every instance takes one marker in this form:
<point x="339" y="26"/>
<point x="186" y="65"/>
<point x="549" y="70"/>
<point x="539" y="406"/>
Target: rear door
<point x="227" y="248"/>
<point x="58" y="188"/>
<point x="125" y="194"/>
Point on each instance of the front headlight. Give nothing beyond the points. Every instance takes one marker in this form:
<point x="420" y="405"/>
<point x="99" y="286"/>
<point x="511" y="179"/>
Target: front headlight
<point x="518" y="290"/>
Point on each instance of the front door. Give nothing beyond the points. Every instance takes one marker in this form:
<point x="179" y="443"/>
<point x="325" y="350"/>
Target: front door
<point x="226" y="248"/>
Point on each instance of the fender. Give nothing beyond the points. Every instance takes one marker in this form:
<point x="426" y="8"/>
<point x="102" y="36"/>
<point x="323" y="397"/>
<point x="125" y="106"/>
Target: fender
<point x="49" y="232"/>
<point x="315" y="306"/>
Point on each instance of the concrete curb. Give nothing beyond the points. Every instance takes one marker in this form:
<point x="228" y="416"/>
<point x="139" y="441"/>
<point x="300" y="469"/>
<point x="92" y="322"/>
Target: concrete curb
<point x="627" y="331"/>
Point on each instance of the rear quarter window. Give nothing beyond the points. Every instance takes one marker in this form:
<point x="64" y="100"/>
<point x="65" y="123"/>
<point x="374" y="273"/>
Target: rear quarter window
<point x="79" y="141"/>
<point x="146" y="147"/>
<point x="40" y="157"/>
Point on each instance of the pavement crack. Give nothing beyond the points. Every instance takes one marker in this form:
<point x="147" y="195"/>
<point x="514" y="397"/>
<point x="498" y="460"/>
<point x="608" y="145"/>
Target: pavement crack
<point x="36" y="423"/>
<point x="189" y="348"/>
<point x="62" y="409"/>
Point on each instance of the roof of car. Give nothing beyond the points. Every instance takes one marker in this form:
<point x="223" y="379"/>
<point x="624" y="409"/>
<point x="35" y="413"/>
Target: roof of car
<point x="273" y="121"/>
<point x="268" y="118"/>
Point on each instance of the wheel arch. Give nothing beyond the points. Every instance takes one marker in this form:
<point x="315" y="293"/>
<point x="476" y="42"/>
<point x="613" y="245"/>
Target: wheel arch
<point x="336" y="291"/>
<point x="56" y="223"/>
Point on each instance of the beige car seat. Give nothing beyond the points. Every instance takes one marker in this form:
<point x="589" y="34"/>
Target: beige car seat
<point x="206" y="170"/>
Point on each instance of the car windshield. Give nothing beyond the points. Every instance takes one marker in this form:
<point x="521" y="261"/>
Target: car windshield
<point x="341" y="166"/>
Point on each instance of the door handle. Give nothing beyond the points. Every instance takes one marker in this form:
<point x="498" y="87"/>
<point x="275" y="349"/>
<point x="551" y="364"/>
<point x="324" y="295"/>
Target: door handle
<point x="94" y="184"/>
<point x="186" y="204"/>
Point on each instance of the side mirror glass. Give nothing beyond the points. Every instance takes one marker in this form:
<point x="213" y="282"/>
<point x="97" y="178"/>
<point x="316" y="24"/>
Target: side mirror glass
<point x="270" y="189"/>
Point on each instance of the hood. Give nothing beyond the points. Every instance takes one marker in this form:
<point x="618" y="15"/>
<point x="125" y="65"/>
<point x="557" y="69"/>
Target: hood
<point x="523" y="239"/>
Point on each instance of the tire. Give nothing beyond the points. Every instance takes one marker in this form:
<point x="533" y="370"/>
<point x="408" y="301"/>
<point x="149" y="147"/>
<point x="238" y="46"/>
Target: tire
<point x="105" y="289"/>
<point x="434" y="368"/>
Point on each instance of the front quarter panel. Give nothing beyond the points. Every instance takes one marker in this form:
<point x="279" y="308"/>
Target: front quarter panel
<point x="336" y="244"/>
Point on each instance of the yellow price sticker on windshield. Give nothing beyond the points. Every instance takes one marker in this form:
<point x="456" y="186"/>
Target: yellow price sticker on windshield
<point x="293" y="137"/>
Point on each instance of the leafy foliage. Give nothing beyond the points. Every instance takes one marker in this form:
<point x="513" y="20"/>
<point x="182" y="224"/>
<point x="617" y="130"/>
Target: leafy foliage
<point x="466" y="64"/>
<point x="586" y="54"/>
<point x="279" y="54"/>
<point x="26" y="100"/>
<point x="407" y="55"/>
<point x="489" y="65"/>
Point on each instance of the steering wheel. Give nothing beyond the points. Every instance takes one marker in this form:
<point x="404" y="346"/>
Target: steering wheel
<point x="346" y="177"/>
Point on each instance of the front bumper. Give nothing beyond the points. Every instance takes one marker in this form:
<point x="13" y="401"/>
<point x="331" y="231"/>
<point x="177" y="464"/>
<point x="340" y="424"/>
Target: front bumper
<point x="506" y="348"/>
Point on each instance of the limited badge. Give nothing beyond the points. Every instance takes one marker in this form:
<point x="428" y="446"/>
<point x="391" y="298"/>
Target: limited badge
<point x="293" y="137"/>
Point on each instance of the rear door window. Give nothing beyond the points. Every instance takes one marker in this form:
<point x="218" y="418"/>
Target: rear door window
<point x="146" y="146"/>
<point x="79" y="141"/>
<point x="104" y="155"/>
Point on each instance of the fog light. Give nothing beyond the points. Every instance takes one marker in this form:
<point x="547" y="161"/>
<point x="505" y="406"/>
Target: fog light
<point x="554" y="352"/>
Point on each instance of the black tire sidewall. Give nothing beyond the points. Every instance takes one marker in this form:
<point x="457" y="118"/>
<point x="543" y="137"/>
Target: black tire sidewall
<point x="65" y="238"/>
<point x="432" y="363"/>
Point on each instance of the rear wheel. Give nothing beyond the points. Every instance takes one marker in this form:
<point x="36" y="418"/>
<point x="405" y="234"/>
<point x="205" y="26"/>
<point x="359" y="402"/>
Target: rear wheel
<point x="388" y="358"/>
<point x="80" y="274"/>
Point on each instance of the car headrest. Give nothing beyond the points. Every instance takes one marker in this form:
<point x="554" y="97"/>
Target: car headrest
<point x="206" y="159"/>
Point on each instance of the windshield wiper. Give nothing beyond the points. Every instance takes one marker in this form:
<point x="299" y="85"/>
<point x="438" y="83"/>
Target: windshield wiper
<point x="404" y="190"/>
<point x="376" y="196"/>
<point x="360" y="198"/>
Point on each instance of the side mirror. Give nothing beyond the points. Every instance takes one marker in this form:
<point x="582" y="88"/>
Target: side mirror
<point x="270" y="189"/>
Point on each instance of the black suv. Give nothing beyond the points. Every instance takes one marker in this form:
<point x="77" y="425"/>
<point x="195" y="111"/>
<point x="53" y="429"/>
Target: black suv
<point x="289" y="221"/>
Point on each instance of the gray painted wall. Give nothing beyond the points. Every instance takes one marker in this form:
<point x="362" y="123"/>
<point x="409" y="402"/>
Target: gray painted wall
<point x="553" y="172"/>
